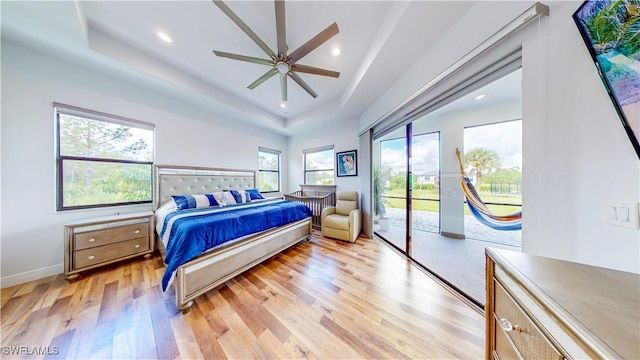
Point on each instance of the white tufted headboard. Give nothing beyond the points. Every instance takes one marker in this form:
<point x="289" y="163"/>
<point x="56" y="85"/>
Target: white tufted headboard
<point x="187" y="180"/>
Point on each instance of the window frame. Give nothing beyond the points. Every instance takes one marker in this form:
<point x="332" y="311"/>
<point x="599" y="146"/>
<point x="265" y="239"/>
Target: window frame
<point x="317" y="150"/>
<point x="260" y="171"/>
<point x="62" y="109"/>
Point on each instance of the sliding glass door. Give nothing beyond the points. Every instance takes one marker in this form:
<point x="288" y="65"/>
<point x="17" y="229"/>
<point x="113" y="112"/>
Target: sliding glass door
<point x="390" y="186"/>
<point x="425" y="189"/>
<point x="419" y="202"/>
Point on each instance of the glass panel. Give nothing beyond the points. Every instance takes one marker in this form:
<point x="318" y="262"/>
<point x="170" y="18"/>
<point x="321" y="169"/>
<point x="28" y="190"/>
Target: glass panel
<point x="318" y="167"/>
<point x="95" y="183"/>
<point x="319" y="178"/>
<point x="268" y="171"/>
<point x="98" y="139"/>
<point x="425" y="199"/>
<point x="461" y="262"/>
<point x="268" y="181"/>
<point x="390" y="199"/>
<point x="268" y="161"/>
<point x="493" y="163"/>
<point x="321" y="160"/>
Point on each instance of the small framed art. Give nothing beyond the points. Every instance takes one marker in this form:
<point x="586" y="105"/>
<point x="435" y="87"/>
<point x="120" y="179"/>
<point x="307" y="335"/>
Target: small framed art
<point x="347" y="163"/>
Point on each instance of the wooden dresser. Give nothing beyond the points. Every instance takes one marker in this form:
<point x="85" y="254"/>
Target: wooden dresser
<point x="542" y="308"/>
<point x="92" y="243"/>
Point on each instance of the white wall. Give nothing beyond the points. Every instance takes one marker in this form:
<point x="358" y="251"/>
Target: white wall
<point x="574" y="141"/>
<point x="342" y="135"/>
<point x="31" y="229"/>
<point x="575" y="153"/>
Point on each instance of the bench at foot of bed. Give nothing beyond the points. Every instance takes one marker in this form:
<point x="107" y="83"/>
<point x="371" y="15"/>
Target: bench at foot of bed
<point x="213" y="269"/>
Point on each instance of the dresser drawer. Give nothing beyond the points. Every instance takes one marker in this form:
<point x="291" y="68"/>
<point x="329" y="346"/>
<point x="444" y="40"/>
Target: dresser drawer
<point x="110" y="252"/>
<point x="504" y="349"/>
<point x="90" y="239"/>
<point x="530" y="343"/>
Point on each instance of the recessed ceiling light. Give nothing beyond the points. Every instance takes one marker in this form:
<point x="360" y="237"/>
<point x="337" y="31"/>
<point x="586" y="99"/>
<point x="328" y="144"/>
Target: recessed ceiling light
<point x="164" y="37"/>
<point x="481" y="96"/>
<point x="283" y="105"/>
<point x="335" y="51"/>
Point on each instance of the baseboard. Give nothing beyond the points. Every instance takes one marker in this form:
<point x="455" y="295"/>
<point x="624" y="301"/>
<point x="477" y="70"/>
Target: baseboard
<point x="452" y="235"/>
<point x="27" y="276"/>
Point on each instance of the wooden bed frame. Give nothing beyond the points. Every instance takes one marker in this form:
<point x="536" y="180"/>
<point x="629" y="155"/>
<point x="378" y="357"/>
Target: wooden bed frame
<point x="215" y="267"/>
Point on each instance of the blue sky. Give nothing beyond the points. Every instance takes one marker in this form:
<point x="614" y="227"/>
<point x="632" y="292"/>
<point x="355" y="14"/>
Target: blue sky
<point x="505" y="138"/>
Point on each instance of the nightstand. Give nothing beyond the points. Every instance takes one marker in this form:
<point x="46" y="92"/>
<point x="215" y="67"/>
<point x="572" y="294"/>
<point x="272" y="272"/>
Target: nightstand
<point x="96" y="242"/>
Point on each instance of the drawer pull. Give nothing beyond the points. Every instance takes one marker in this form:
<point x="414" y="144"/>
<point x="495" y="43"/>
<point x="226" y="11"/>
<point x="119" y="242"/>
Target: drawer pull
<point x="92" y="240"/>
<point x="91" y="257"/>
<point x="137" y="246"/>
<point x="137" y="232"/>
<point x="507" y="326"/>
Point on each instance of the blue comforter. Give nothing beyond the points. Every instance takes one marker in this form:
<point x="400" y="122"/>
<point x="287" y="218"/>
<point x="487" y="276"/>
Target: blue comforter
<point x="192" y="232"/>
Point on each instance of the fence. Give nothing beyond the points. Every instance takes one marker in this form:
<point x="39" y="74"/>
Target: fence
<point x="506" y="189"/>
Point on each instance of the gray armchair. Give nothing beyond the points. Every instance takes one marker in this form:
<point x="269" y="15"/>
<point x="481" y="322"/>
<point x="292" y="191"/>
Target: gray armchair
<point x="343" y="221"/>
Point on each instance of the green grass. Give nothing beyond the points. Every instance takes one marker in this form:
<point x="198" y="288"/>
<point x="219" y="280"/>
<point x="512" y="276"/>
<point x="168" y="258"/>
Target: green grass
<point x="426" y="205"/>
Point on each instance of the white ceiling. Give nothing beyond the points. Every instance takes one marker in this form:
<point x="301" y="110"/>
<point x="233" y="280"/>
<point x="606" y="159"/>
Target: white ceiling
<point x="379" y="41"/>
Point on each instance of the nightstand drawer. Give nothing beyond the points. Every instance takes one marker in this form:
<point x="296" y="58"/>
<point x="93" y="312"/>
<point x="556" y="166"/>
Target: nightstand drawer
<point x="101" y="237"/>
<point x="530" y="343"/>
<point x="111" y="252"/>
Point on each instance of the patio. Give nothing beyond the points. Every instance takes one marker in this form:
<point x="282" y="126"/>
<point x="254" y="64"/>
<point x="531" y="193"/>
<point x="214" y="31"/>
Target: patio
<point x="460" y="261"/>
<point x="428" y="221"/>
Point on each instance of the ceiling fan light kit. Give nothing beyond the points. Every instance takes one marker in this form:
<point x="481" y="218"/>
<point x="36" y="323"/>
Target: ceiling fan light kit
<point x="281" y="63"/>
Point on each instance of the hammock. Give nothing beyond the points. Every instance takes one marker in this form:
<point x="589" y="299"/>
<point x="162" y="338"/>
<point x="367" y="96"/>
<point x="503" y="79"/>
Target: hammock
<point x="480" y="210"/>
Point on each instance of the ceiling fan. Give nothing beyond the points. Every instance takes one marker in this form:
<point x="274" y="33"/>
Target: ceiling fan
<point x="281" y="63"/>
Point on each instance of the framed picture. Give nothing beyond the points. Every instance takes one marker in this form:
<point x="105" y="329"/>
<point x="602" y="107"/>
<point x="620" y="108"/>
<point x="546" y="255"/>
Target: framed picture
<point x="347" y="163"/>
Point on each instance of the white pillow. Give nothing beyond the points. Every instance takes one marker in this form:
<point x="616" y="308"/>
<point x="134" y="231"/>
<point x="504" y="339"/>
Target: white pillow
<point x="224" y="198"/>
<point x="228" y="197"/>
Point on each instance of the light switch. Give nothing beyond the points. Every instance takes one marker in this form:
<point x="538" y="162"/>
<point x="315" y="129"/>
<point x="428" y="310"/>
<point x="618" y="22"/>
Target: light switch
<point x="623" y="213"/>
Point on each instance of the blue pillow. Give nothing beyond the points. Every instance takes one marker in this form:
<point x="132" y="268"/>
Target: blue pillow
<point x="194" y="201"/>
<point x="241" y="196"/>
<point x="254" y="194"/>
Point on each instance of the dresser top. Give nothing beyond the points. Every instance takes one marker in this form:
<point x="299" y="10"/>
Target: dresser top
<point x="108" y="219"/>
<point x="601" y="305"/>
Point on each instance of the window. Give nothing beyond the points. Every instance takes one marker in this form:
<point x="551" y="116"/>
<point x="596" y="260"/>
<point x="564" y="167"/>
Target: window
<point x="102" y="160"/>
<point x="319" y="166"/>
<point x="268" y="170"/>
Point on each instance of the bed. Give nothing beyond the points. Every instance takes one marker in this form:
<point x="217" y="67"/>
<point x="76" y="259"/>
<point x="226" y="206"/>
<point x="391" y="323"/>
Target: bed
<point x="196" y="271"/>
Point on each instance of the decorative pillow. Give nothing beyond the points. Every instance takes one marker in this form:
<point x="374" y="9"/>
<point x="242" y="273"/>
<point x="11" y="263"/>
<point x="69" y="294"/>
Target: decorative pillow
<point x="245" y="196"/>
<point x="229" y="198"/>
<point x="240" y="196"/>
<point x="220" y="199"/>
<point x="254" y="194"/>
<point x="194" y="201"/>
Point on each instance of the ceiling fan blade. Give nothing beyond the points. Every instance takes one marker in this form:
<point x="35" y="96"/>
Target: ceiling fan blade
<point x="302" y="84"/>
<point x="283" y="86"/>
<point x="314" y="70"/>
<point x="263" y="78"/>
<point x="243" y="58"/>
<point x="281" y="27"/>
<point x="225" y="9"/>
<point x="316" y="41"/>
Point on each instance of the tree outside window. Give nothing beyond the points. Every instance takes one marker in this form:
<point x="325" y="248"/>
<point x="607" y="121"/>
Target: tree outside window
<point x="102" y="163"/>
<point x="268" y="170"/>
<point x="319" y="166"/>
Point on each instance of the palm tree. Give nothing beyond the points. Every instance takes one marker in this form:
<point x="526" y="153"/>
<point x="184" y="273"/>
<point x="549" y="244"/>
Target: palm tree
<point x="481" y="161"/>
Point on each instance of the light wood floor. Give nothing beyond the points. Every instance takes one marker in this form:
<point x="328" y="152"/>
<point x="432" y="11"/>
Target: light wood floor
<point x="322" y="299"/>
